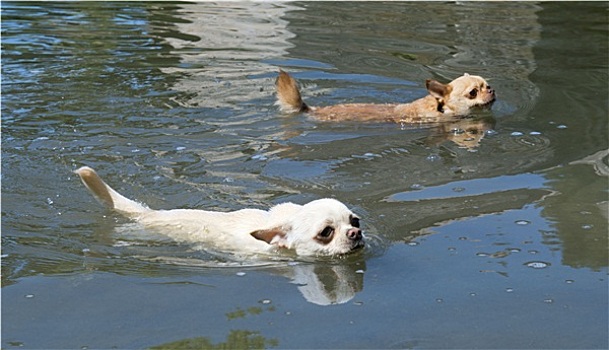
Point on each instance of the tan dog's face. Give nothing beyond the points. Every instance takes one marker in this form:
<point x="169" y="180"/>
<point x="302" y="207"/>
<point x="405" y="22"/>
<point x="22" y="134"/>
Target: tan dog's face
<point x="321" y="227"/>
<point x="461" y="94"/>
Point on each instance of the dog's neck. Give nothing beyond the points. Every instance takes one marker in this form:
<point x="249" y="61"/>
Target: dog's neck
<point x="424" y="110"/>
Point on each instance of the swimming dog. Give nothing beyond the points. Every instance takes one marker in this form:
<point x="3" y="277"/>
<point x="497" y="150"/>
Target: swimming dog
<point x="320" y="227"/>
<point x="444" y="101"/>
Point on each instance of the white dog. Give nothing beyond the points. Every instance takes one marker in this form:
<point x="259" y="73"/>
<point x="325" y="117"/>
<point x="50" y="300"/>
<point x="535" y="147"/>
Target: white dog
<point x="321" y="227"/>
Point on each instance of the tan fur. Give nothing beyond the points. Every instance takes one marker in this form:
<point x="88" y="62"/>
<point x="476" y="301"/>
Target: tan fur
<point x="108" y="196"/>
<point x="95" y="184"/>
<point x="444" y="101"/>
<point x="288" y="95"/>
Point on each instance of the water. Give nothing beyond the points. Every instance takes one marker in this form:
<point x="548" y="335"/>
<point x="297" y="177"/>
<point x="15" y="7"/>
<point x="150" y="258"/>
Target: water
<point x="487" y="233"/>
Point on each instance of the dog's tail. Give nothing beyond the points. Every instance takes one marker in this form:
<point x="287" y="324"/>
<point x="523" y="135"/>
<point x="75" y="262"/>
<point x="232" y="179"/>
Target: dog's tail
<point x="106" y="195"/>
<point x="288" y="96"/>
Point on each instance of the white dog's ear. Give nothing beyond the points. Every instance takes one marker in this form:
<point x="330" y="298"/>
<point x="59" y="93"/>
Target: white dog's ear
<point x="274" y="236"/>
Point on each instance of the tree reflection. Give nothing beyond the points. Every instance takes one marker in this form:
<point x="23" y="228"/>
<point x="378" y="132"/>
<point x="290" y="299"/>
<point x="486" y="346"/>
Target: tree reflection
<point x="236" y="339"/>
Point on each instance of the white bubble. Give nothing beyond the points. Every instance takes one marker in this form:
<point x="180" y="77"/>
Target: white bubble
<point x="537" y="264"/>
<point x="259" y="157"/>
<point x="433" y="157"/>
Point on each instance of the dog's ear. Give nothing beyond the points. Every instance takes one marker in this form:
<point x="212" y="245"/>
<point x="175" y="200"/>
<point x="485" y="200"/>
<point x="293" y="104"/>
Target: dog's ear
<point x="274" y="236"/>
<point x="437" y="89"/>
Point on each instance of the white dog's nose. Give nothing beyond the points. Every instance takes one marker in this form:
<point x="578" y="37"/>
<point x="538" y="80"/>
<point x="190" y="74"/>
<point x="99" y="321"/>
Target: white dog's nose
<point x="354" y="234"/>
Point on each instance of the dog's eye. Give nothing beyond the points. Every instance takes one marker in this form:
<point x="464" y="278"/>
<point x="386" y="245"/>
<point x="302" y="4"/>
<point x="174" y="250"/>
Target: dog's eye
<point x="325" y="236"/>
<point x="473" y="93"/>
<point x="354" y="222"/>
<point x="326" y="232"/>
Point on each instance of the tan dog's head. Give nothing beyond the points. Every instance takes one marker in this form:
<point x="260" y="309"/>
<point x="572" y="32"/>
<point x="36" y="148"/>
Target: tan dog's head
<point x="461" y="94"/>
<point x="321" y="227"/>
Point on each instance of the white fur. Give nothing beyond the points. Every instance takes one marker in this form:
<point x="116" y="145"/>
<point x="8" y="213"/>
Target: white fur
<point x="287" y="225"/>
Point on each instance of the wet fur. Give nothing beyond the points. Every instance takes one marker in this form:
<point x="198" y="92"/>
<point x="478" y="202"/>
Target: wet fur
<point x="285" y="226"/>
<point x="444" y="101"/>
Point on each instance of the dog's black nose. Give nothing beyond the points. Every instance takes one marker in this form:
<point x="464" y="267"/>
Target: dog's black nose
<point x="354" y="234"/>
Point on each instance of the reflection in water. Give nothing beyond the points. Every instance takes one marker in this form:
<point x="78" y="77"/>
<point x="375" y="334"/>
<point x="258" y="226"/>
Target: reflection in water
<point x="599" y="160"/>
<point x="420" y="218"/>
<point x="138" y="86"/>
<point x="328" y="284"/>
<point x="236" y="339"/>
<point x="579" y="213"/>
<point x="324" y="282"/>
<point x="572" y="79"/>
<point x="217" y="68"/>
<point x="469" y="188"/>
<point x="466" y="133"/>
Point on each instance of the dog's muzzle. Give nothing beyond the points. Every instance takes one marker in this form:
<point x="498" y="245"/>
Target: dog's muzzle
<point x="356" y="238"/>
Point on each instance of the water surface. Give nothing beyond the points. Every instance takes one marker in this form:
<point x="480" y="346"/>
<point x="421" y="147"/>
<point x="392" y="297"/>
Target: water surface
<point x="490" y="232"/>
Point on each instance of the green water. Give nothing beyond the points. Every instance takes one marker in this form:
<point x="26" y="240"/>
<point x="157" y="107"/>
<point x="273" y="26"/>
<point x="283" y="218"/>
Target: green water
<point x="492" y="239"/>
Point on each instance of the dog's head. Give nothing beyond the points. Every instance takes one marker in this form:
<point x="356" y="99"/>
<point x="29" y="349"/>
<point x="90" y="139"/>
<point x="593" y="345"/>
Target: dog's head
<point x="321" y="227"/>
<point x="461" y="94"/>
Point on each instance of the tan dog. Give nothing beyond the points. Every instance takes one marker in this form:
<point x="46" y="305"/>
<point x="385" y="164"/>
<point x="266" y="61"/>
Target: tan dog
<point x="321" y="227"/>
<point x="444" y="101"/>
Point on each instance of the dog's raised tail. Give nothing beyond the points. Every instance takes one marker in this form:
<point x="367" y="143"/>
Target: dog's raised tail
<point x="288" y="96"/>
<point x="106" y="195"/>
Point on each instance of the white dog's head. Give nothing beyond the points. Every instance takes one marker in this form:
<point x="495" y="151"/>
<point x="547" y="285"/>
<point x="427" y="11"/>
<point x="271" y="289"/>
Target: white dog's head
<point x="321" y="227"/>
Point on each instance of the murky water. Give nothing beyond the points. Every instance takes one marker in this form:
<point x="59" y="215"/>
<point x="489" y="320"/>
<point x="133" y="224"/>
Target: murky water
<point x="486" y="233"/>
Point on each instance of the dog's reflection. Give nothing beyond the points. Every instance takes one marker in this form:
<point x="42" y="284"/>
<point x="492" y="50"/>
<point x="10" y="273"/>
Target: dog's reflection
<point x="464" y="132"/>
<point x="328" y="284"/>
<point x="328" y="281"/>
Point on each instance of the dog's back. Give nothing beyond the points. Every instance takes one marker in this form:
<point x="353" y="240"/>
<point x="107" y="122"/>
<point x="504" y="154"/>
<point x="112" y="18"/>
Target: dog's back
<point x="227" y="230"/>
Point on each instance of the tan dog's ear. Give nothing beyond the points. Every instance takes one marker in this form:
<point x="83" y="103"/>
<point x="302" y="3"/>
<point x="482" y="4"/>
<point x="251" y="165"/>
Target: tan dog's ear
<point x="437" y="89"/>
<point x="275" y="236"/>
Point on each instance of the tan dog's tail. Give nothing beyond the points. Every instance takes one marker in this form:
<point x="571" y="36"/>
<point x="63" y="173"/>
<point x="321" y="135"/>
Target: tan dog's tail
<point x="106" y="195"/>
<point x="288" y="96"/>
